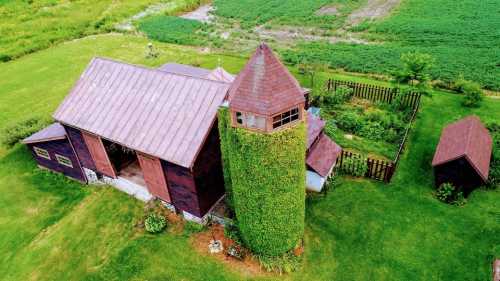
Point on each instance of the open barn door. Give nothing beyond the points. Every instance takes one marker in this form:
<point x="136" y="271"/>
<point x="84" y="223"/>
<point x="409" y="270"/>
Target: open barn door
<point x="154" y="176"/>
<point x="99" y="155"/>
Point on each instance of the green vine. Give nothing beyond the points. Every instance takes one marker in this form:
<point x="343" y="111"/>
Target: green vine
<point x="266" y="177"/>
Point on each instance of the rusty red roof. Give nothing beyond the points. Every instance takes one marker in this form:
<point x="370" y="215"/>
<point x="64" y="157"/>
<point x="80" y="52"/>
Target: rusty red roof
<point x="265" y="86"/>
<point x="314" y="127"/>
<point x="155" y="112"/>
<point x="53" y="132"/>
<point x="323" y="155"/>
<point x="466" y="138"/>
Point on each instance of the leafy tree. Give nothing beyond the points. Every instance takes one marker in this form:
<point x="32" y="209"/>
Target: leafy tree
<point x="416" y="68"/>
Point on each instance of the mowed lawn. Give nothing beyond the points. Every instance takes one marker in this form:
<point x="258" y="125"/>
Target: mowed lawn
<point x="55" y="229"/>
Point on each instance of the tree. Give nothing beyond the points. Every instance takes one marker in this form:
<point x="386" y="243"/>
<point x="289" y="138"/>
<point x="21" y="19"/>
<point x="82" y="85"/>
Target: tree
<point x="416" y="71"/>
<point x="311" y="69"/>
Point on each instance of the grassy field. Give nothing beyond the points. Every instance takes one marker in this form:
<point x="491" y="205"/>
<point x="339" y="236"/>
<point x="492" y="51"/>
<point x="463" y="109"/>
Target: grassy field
<point x="52" y="229"/>
<point x="463" y="37"/>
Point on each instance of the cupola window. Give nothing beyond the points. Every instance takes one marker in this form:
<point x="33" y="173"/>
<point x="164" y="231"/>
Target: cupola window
<point x="285" y="117"/>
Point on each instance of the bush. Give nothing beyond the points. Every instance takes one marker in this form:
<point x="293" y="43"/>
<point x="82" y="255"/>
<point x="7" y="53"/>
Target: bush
<point x="494" y="177"/>
<point x="155" y="223"/>
<point x="286" y="263"/>
<point x="354" y="166"/>
<point x="192" y="228"/>
<point x="448" y="193"/>
<point x="349" y="121"/>
<point x="342" y="94"/>
<point x="14" y="133"/>
<point x="473" y="94"/>
<point x="268" y="185"/>
<point x="372" y="130"/>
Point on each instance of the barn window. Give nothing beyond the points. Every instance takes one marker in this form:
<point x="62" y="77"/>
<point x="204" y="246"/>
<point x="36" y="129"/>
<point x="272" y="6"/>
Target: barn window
<point x="63" y="160"/>
<point x="41" y="152"/>
<point x="285" y="117"/>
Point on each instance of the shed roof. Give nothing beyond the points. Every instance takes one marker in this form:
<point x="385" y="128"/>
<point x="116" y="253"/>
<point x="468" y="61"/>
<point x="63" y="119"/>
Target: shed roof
<point x="54" y="131"/>
<point x="323" y="155"/>
<point x="155" y="112"/>
<point x="466" y="138"/>
<point x="265" y="86"/>
<point x="314" y="127"/>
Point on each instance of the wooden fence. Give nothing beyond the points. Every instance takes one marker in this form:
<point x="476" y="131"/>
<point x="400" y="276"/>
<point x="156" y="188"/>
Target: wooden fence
<point x="375" y="93"/>
<point x="374" y="168"/>
<point x="377" y="169"/>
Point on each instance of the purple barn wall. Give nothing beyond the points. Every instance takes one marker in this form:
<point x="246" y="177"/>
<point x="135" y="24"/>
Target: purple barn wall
<point x="76" y="138"/>
<point x="208" y="172"/>
<point x="182" y="188"/>
<point x="61" y="147"/>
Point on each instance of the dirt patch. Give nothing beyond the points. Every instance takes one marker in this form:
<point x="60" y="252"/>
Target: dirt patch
<point x="202" y="14"/>
<point x="374" y="9"/>
<point x="128" y="25"/>
<point x="330" y="10"/>
<point x="248" y="267"/>
<point x="290" y="35"/>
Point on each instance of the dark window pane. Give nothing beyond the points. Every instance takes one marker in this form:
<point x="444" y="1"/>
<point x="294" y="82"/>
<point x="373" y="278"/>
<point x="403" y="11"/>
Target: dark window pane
<point x="295" y="117"/>
<point x="277" y="118"/>
<point x="286" y="114"/>
<point x="295" y="111"/>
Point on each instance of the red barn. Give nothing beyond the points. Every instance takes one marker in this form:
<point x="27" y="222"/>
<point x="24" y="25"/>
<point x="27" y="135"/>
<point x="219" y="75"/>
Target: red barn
<point x="463" y="154"/>
<point x="153" y="132"/>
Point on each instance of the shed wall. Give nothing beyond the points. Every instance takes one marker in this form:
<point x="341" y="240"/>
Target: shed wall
<point x="61" y="147"/>
<point x="76" y="138"/>
<point x="182" y="188"/>
<point x="208" y="172"/>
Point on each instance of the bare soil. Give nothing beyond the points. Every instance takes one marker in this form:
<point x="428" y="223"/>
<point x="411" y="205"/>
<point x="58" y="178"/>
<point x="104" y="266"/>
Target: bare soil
<point x="330" y="10"/>
<point x="248" y="267"/>
<point x="202" y="14"/>
<point x="373" y="10"/>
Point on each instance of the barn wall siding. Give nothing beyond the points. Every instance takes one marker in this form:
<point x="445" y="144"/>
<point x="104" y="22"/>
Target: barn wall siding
<point x="208" y="172"/>
<point x="460" y="173"/>
<point x="81" y="149"/>
<point x="182" y="188"/>
<point x="61" y="147"/>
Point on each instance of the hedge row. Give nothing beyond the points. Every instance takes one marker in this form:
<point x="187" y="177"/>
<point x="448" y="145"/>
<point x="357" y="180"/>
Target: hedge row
<point x="267" y="182"/>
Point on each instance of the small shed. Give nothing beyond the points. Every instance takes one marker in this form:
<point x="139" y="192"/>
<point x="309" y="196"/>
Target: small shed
<point x="52" y="150"/>
<point x="463" y="154"/>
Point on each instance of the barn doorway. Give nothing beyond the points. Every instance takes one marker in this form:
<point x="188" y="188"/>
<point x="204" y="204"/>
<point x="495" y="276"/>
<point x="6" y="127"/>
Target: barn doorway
<point x="125" y="162"/>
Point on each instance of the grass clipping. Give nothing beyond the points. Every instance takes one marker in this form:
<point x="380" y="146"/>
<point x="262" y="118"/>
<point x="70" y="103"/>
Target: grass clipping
<point x="267" y="185"/>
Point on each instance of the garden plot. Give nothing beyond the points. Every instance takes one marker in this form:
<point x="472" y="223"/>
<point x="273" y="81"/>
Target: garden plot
<point x="365" y="127"/>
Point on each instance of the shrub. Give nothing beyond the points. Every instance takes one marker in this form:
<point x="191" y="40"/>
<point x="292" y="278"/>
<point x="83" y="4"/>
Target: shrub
<point x="286" y="263"/>
<point x="192" y="228"/>
<point x="372" y="130"/>
<point x="416" y="67"/>
<point x="342" y="94"/>
<point x="349" y="121"/>
<point x="473" y="94"/>
<point x="494" y="177"/>
<point x="16" y="132"/>
<point x="354" y="166"/>
<point x="155" y="223"/>
<point x="268" y="185"/>
<point x="448" y="193"/>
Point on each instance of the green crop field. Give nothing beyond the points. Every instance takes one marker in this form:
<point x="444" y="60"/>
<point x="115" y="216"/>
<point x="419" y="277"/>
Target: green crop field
<point x="53" y="229"/>
<point x="463" y="36"/>
<point x="292" y="12"/>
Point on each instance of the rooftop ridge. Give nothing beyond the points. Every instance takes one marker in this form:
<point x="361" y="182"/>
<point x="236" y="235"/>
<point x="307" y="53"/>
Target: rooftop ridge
<point x="154" y="69"/>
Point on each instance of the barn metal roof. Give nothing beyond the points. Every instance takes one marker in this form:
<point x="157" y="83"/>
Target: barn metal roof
<point x="466" y="138"/>
<point x="323" y="155"/>
<point x="155" y="112"/>
<point x="218" y="74"/>
<point x="314" y="127"/>
<point x="265" y="86"/>
<point x="53" y="132"/>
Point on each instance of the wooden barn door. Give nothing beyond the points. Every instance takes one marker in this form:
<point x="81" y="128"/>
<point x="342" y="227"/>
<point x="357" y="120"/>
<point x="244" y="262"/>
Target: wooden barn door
<point x="154" y="176"/>
<point x="99" y="155"/>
